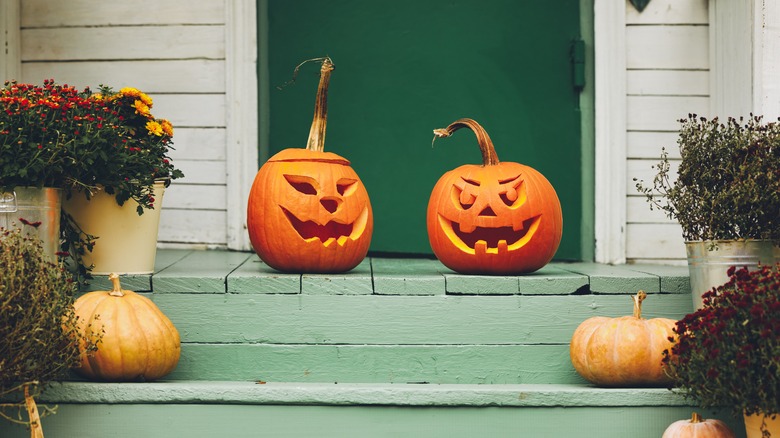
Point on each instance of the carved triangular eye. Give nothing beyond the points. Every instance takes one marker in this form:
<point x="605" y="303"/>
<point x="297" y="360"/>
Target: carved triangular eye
<point x="303" y="184"/>
<point x="346" y="186"/>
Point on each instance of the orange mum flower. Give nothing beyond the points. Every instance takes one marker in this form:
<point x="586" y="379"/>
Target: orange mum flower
<point x="167" y="127"/>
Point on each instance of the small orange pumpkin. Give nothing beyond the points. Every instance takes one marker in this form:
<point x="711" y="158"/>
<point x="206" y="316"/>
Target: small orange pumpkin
<point x="499" y="218"/>
<point x="138" y="341"/>
<point x="308" y="210"/>
<point x="697" y="427"/>
<point x="623" y="351"/>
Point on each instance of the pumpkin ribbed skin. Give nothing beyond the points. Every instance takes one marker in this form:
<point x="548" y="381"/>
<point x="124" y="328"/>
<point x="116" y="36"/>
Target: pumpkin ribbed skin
<point x="697" y="427"/>
<point x="498" y="218"/>
<point x="308" y="211"/>
<point x="622" y="351"/>
<point x="139" y="342"/>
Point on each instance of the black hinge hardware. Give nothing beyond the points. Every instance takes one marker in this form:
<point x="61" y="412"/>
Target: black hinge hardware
<point x="578" y="64"/>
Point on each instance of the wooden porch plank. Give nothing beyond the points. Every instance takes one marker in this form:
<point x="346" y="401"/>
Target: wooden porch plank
<point x="255" y="277"/>
<point x="408" y="276"/>
<point x="437" y="364"/>
<point x="355" y="282"/>
<point x="381" y="319"/>
<point x="199" y="271"/>
<point x="616" y="279"/>
<point x="674" y="279"/>
<point x="140" y="283"/>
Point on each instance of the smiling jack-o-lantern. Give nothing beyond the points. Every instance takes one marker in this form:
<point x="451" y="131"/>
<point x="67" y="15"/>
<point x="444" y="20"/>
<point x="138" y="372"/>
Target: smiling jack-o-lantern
<point x="500" y="218"/>
<point x="308" y="211"/>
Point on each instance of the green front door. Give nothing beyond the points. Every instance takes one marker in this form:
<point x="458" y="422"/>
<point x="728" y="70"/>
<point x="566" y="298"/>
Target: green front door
<point x="405" y="67"/>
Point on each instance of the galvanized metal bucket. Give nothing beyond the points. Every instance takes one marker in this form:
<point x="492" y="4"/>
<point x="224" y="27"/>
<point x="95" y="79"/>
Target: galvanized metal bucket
<point x="36" y="211"/>
<point x="708" y="263"/>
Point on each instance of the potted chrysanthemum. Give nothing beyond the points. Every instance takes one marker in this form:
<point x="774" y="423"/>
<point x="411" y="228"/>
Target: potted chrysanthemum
<point x="34" y="128"/>
<point x="725" y="195"/>
<point x="86" y="146"/>
<point x="728" y="352"/>
<point x="115" y="199"/>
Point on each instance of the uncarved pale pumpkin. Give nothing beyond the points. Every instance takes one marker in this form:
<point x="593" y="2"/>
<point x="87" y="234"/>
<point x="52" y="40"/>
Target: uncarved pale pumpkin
<point x="308" y="210"/>
<point x="500" y="218"/>
<point x="623" y="351"/>
<point x="139" y="343"/>
<point x="697" y="427"/>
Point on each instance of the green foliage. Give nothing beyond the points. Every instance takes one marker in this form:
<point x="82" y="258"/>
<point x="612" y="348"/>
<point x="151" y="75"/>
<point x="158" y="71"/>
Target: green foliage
<point x="38" y="326"/>
<point x="57" y="136"/>
<point x="728" y="183"/>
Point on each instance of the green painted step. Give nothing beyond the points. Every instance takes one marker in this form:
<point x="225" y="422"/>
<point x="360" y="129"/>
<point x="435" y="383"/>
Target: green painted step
<point x="391" y="320"/>
<point x="396" y="347"/>
<point x="257" y="409"/>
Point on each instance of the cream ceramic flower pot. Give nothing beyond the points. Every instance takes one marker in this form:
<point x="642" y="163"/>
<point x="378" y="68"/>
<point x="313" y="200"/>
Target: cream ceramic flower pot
<point x="126" y="242"/>
<point x="753" y="426"/>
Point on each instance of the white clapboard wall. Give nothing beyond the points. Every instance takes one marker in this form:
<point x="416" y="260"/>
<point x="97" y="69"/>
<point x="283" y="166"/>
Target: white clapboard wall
<point x="667" y="63"/>
<point x="174" y="50"/>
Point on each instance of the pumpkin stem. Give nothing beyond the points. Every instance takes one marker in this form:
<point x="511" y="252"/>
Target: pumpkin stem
<point x="316" y="141"/>
<point x="696" y="418"/>
<point x="489" y="157"/>
<point x="638" y="298"/>
<point x="116" y="287"/>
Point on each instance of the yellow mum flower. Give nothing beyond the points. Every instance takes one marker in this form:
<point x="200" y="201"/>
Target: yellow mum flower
<point x="154" y="128"/>
<point x="97" y="96"/>
<point x="130" y="91"/>
<point x="167" y="127"/>
<point x="141" y="108"/>
<point x="145" y="99"/>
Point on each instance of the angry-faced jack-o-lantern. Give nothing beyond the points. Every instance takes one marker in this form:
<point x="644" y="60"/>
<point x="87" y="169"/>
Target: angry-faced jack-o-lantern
<point x="308" y="211"/>
<point x="500" y="218"/>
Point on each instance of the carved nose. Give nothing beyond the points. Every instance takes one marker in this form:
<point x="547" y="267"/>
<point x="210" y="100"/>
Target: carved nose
<point x="487" y="211"/>
<point x="330" y="204"/>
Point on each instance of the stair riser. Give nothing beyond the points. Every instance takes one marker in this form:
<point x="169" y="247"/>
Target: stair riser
<point x="296" y="421"/>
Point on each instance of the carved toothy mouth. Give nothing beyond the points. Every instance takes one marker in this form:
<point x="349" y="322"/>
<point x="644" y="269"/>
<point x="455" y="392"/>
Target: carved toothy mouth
<point x="489" y="240"/>
<point x="330" y="233"/>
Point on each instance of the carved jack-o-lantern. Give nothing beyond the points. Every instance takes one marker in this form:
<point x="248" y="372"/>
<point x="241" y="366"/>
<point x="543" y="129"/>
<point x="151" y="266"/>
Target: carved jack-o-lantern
<point x="499" y="218"/>
<point x="308" y="211"/>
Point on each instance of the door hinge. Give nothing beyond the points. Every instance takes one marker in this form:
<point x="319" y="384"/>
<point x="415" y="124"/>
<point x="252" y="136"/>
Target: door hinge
<point x="578" y="64"/>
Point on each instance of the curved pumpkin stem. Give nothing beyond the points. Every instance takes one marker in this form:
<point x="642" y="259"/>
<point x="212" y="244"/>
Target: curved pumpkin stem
<point x="316" y="141"/>
<point x="696" y="418"/>
<point x="489" y="157"/>
<point x="638" y="298"/>
<point x="116" y="287"/>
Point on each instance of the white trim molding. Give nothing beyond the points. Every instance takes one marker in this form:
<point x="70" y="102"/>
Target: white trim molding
<point x="242" y="115"/>
<point x="609" y="23"/>
<point x="10" y="37"/>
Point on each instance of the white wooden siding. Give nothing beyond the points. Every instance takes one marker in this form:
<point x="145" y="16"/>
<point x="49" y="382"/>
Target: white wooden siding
<point x="175" y="51"/>
<point x="667" y="77"/>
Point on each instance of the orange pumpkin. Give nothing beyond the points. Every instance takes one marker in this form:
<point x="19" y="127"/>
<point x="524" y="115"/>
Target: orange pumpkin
<point x="499" y="218"/>
<point x="308" y="210"/>
<point x="623" y="351"/>
<point x="138" y="341"/>
<point x="697" y="427"/>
